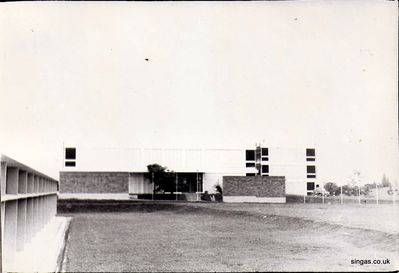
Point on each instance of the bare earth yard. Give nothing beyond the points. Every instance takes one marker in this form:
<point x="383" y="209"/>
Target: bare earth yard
<point x="231" y="237"/>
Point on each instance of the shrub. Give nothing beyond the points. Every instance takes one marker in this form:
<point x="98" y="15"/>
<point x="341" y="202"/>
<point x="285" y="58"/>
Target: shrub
<point x="219" y="188"/>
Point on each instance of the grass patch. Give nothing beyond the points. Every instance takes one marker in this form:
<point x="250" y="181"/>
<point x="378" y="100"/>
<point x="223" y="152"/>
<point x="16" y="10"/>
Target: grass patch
<point x="201" y="237"/>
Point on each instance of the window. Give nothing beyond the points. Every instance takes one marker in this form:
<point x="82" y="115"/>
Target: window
<point x="310" y="152"/>
<point x="250" y="164"/>
<point x="250" y="155"/>
<point x="310" y="186"/>
<point x="311" y="169"/>
<point x="310" y="159"/>
<point x="309" y="194"/>
<point x="265" y="168"/>
<point x="311" y="176"/>
<point x="250" y="174"/>
<point x="70" y="163"/>
<point x="265" y="159"/>
<point x="265" y="151"/>
<point x="70" y="153"/>
<point x="265" y="175"/>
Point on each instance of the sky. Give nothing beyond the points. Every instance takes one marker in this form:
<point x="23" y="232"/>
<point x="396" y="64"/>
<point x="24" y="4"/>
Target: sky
<point x="203" y="75"/>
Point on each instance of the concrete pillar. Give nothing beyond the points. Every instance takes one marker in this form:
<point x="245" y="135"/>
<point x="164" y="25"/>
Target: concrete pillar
<point x="54" y="205"/>
<point x="41" y="220"/>
<point x="10" y="231"/>
<point x="3" y="211"/>
<point x="29" y="219"/>
<point x="21" y="224"/>
<point x="36" y="214"/>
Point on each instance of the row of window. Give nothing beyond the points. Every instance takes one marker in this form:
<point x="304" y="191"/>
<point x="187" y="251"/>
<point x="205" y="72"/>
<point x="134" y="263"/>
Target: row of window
<point x="250" y="155"/>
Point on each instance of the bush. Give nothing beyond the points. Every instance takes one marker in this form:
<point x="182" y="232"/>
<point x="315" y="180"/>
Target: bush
<point x="219" y="188"/>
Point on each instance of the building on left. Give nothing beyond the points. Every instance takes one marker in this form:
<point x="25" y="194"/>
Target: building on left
<point x="30" y="229"/>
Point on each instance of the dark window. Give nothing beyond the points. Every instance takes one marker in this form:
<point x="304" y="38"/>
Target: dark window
<point x="310" y="152"/>
<point x="250" y="164"/>
<point x="310" y="186"/>
<point x="311" y="169"/>
<point x="250" y="174"/>
<point x="310" y="159"/>
<point x="70" y="153"/>
<point x="265" y="168"/>
<point x="70" y="163"/>
<point x="317" y="186"/>
<point x="250" y="155"/>
<point x="265" y="159"/>
<point x="265" y="151"/>
<point x="265" y="175"/>
<point x="309" y="194"/>
<point x="311" y="176"/>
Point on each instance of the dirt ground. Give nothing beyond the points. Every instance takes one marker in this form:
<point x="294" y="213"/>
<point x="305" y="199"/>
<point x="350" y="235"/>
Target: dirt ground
<point x="225" y="237"/>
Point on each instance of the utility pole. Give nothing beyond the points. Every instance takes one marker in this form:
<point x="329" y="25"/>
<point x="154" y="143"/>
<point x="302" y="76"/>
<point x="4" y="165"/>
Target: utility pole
<point x="357" y="175"/>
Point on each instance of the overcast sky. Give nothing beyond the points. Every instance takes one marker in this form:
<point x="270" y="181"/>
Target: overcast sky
<point x="202" y="75"/>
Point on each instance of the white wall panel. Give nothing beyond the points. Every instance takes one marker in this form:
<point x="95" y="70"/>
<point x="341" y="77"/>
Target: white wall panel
<point x="173" y="159"/>
<point x="193" y="160"/>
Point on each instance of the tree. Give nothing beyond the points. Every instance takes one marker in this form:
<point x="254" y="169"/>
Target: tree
<point x="164" y="180"/>
<point x="369" y="187"/>
<point x="332" y="188"/>
<point x="385" y="181"/>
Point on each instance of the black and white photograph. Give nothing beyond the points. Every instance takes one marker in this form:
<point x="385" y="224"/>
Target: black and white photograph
<point x="199" y="136"/>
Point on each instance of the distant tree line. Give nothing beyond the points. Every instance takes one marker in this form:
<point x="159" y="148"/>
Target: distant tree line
<point x="353" y="190"/>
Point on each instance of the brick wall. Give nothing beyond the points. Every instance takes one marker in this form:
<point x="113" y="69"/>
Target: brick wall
<point x="94" y="182"/>
<point x="259" y="186"/>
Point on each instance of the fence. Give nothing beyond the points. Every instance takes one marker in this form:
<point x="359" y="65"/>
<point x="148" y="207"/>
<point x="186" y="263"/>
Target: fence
<point x="340" y="199"/>
<point x="28" y="202"/>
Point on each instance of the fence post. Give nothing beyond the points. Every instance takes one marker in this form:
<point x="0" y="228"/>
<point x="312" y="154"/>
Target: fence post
<point x="176" y="185"/>
<point x="376" y="192"/>
<point x="153" y="185"/>
<point x="342" y="198"/>
<point x="197" y="187"/>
